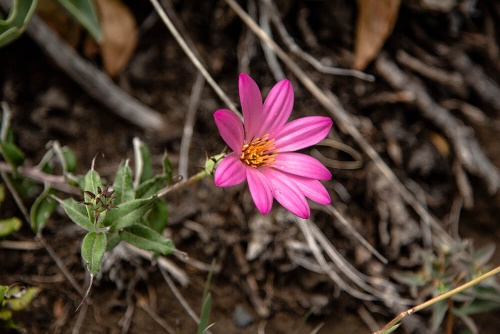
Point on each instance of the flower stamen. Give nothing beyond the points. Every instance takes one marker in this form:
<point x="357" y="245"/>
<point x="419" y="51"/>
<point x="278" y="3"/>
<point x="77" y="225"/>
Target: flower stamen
<point x="260" y="152"/>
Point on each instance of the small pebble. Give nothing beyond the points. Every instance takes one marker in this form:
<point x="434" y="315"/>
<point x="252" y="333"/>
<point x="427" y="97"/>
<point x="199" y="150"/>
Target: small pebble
<point x="241" y="317"/>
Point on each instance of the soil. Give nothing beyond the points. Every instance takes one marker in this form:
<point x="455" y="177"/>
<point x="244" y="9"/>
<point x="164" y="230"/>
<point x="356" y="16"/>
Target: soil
<point x="212" y="223"/>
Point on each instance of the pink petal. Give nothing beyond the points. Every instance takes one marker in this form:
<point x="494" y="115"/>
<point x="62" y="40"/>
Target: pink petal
<point x="251" y="105"/>
<point x="313" y="190"/>
<point x="301" y="165"/>
<point x="277" y="107"/>
<point x="287" y="193"/>
<point x="260" y="189"/>
<point x="230" y="171"/>
<point x="301" y="133"/>
<point x="230" y="129"/>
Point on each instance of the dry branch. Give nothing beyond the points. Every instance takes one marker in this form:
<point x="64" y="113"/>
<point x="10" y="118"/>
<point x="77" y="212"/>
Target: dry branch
<point x="465" y="144"/>
<point x="474" y="77"/>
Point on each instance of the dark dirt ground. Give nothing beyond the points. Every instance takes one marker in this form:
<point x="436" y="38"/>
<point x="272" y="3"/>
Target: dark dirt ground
<point x="47" y="105"/>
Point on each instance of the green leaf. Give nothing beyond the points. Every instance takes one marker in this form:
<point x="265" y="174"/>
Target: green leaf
<point x="128" y="213"/>
<point x="13" y="155"/>
<point x="471" y="325"/>
<point x="93" y="248"/>
<point x="113" y="241"/>
<point x="9" y="225"/>
<point x="205" y="309"/>
<point x="150" y="187"/>
<point x="70" y="159"/>
<point x="483" y="255"/>
<point x="3" y="290"/>
<point x="85" y="13"/>
<point x="147" y="167"/>
<point x="475" y="307"/>
<point x="145" y="238"/>
<point x="123" y="185"/>
<point x="168" y="170"/>
<point x="6" y="320"/>
<point x="41" y="210"/>
<point x="158" y="216"/>
<point x="2" y="193"/>
<point x="486" y="293"/>
<point x="25" y="187"/>
<point x="92" y="183"/>
<point x="410" y="278"/>
<point x="15" y="24"/>
<point x="438" y="313"/>
<point x="22" y="299"/>
<point x="77" y="213"/>
<point x="205" y="315"/>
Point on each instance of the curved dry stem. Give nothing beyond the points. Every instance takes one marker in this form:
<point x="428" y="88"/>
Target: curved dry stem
<point x="358" y="159"/>
<point x="86" y="295"/>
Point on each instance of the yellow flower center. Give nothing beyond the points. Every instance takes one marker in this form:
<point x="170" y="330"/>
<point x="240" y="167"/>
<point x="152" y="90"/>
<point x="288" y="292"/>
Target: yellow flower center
<point x="259" y="152"/>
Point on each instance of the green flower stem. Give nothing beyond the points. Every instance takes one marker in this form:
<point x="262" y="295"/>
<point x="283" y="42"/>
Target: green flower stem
<point x="396" y="321"/>
<point x="180" y="185"/>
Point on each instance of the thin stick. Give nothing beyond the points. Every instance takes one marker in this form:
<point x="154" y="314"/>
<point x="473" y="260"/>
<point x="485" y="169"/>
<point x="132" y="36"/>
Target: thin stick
<point x="16" y="196"/>
<point x="61" y="266"/>
<point x="196" y="62"/>
<point x="180" y="298"/>
<point x="343" y="221"/>
<point x="246" y="45"/>
<point x="20" y="245"/>
<point x="332" y="105"/>
<point x="80" y="319"/>
<point x="434" y="300"/>
<point x="159" y="320"/>
<point x="187" y="131"/>
<point x="270" y="56"/>
<point x="182" y="184"/>
<point x="54" y="181"/>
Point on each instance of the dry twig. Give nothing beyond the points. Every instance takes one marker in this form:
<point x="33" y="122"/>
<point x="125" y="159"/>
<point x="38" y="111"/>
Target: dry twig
<point x="465" y="144"/>
<point x="270" y="56"/>
<point x="453" y="80"/>
<point x="246" y="46"/>
<point x="141" y="301"/>
<point x="187" y="131"/>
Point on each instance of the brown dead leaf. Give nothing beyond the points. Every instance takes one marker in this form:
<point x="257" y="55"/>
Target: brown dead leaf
<point x="119" y="30"/>
<point x="376" y="19"/>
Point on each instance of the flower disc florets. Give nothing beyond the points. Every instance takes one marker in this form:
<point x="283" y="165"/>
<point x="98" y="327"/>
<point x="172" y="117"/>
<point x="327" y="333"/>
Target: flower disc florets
<point x="259" y="152"/>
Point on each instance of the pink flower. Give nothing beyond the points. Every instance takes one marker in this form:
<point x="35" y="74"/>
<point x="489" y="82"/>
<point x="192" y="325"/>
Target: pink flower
<point x="263" y="146"/>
